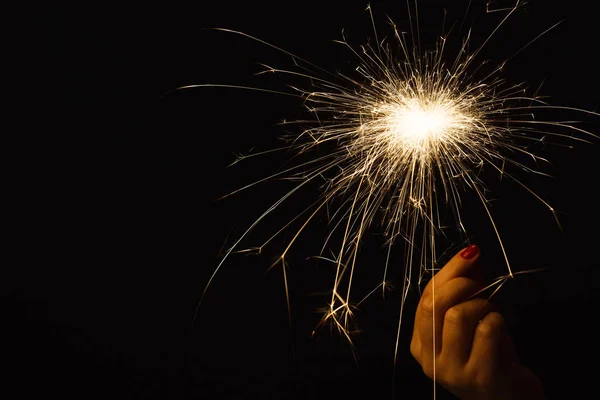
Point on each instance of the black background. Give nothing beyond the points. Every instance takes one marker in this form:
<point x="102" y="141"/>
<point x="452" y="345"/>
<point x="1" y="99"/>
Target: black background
<point x="118" y="229"/>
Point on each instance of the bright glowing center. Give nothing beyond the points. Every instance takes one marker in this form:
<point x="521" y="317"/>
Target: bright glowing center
<point x="416" y="125"/>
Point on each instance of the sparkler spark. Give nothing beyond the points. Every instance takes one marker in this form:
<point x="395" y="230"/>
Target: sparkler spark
<point x="397" y="146"/>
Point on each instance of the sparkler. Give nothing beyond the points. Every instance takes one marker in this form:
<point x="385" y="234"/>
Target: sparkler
<point x="396" y="147"/>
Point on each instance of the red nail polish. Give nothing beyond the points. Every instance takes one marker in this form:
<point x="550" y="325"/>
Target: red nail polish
<point x="470" y="252"/>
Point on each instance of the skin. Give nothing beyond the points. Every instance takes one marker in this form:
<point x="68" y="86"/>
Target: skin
<point x="475" y="358"/>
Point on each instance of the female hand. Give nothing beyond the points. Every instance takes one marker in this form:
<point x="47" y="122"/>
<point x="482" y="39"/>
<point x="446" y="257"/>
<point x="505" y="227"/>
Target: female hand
<point x="462" y="343"/>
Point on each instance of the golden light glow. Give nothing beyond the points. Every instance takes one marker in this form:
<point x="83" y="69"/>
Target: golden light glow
<point x="418" y="127"/>
<point x="409" y="135"/>
<point x="421" y="127"/>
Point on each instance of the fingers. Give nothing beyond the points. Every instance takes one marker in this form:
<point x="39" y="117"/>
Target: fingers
<point x="451" y="288"/>
<point x="464" y="264"/>
<point x="432" y="310"/>
<point x="458" y="339"/>
<point x="460" y="324"/>
<point x="461" y="264"/>
<point x="491" y="343"/>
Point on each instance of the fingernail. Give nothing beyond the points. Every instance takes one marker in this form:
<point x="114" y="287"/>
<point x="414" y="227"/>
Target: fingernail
<point x="470" y="252"/>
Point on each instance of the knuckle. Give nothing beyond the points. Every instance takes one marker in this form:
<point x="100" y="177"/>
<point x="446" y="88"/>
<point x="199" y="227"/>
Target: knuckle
<point x="427" y="291"/>
<point x="415" y="349"/>
<point x="483" y="379"/>
<point x="428" y="305"/>
<point x="455" y="316"/>
<point x="491" y="325"/>
<point x="470" y="379"/>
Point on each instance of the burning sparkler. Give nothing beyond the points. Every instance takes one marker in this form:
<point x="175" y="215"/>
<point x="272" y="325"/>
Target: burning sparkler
<point x="403" y="140"/>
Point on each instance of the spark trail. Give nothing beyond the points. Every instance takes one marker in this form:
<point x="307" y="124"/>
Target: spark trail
<point x="405" y="138"/>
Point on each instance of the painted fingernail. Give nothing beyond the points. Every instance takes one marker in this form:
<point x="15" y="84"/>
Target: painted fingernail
<point x="470" y="252"/>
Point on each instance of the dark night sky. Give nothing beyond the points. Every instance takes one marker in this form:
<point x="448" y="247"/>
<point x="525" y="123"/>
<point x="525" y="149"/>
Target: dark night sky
<point x="120" y="231"/>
